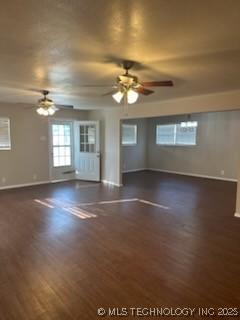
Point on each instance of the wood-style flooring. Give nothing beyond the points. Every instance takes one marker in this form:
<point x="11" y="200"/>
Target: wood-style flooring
<point x="70" y="248"/>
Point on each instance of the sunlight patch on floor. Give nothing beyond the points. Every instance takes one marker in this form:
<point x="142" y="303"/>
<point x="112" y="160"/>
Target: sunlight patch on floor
<point x="83" y="214"/>
<point x="44" y="203"/>
<point x="77" y="210"/>
<point x="153" y="204"/>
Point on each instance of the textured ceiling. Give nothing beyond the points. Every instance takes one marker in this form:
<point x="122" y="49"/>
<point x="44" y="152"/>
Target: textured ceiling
<point x="62" y="45"/>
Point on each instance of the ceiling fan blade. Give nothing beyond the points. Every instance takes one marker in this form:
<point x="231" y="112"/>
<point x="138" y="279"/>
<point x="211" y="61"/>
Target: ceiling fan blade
<point x="50" y="92"/>
<point x="109" y="93"/>
<point x="125" y="63"/>
<point x="58" y="106"/>
<point x="64" y="106"/>
<point x="167" y="83"/>
<point x="95" y="85"/>
<point x="30" y="107"/>
<point x="35" y="90"/>
<point x="144" y="91"/>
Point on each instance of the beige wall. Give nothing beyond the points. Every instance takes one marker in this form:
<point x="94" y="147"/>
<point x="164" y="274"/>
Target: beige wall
<point x="216" y="150"/>
<point x="28" y="160"/>
<point x="135" y="157"/>
<point x="216" y="137"/>
<point x="237" y="211"/>
<point x="111" y="166"/>
<point x="11" y="163"/>
<point x="110" y="132"/>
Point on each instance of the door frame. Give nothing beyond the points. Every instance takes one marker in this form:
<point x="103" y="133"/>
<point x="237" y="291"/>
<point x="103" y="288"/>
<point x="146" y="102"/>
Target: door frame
<point x="98" y="140"/>
<point x="50" y="147"/>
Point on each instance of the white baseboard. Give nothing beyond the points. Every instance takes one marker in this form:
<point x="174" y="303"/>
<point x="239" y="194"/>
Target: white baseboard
<point x="29" y="184"/>
<point x="61" y="180"/>
<point x="134" y="170"/>
<point x="111" y="183"/>
<point x="21" y="185"/>
<point x="237" y="215"/>
<point x="194" y="175"/>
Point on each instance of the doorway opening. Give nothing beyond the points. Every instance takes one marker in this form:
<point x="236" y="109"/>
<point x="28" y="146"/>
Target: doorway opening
<point x="74" y="150"/>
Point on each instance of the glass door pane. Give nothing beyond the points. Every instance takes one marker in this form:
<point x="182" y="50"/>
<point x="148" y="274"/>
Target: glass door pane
<point x="87" y="138"/>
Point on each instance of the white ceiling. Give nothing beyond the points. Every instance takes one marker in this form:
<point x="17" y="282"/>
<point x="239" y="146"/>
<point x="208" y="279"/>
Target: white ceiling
<point x="62" y="45"/>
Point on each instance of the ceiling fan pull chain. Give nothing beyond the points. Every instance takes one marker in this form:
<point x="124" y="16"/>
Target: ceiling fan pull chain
<point x="125" y="106"/>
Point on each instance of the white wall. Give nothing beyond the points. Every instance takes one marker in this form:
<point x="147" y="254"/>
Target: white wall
<point x="134" y="157"/>
<point x="216" y="150"/>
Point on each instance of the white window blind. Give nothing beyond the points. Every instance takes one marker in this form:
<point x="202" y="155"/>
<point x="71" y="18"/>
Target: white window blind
<point x="166" y="134"/>
<point x="129" y="134"/>
<point x="5" y="140"/>
<point x="184" y="134"/>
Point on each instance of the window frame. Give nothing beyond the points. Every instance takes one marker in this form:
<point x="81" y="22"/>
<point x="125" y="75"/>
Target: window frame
<point x="63" y="122"/>
<point x="175" y="135"/>
<point x="135" y="133"/>
<point x="9" y="148"/>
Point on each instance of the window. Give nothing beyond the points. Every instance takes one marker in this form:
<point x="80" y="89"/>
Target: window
<point x="183" y="134"/>
<point x="62" y="136"/>
<point x="5" y="140"/>
<point x="186" y="133"/>
<point x="87" y="138"/>
<point x="166" y="134"/>
<point x="129" y="134"/>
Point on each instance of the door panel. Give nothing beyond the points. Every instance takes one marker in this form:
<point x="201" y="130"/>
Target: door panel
<point x="87" y="152"/>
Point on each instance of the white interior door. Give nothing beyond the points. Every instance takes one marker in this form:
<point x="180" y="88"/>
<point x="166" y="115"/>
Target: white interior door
<point x="61" y="145"/>
<point x="87" y="150"/>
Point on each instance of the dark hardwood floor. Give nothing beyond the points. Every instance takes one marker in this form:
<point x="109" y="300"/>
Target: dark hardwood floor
<point x="63" y="254"/>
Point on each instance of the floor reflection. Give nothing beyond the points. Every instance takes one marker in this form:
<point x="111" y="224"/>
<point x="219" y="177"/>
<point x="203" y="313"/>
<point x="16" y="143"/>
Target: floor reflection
<point x="79" y="209"/>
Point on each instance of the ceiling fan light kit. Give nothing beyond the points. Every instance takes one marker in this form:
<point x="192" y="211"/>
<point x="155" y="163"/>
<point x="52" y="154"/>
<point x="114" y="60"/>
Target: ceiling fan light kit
<point x="46" y="106"/>
<point x="129" y="86"/>
<point x="130" y="95"/>
<point x="46" y="112"/>
<point x="118" y="96"/>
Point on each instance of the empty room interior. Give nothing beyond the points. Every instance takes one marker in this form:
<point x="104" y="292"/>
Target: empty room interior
<point x="119" y="159"/>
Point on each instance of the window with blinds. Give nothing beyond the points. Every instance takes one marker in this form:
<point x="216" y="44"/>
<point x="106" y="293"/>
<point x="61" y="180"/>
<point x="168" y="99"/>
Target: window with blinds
<point x="5" y="140"/>
<point x="166" y="134"/>
<point x="182" y="134"/>
<point x="129" y="134"/>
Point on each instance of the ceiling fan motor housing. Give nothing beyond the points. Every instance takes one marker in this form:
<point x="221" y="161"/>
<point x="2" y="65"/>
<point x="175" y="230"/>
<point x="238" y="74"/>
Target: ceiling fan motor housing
<point x="127" y="81"/>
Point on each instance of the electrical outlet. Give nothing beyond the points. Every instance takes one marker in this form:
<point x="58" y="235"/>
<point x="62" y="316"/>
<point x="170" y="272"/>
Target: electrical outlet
<point x="43" y="138"/>
<point x="222" y="172"/>
<point x="4" y="180"/>
<point x="35" y="176"/>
